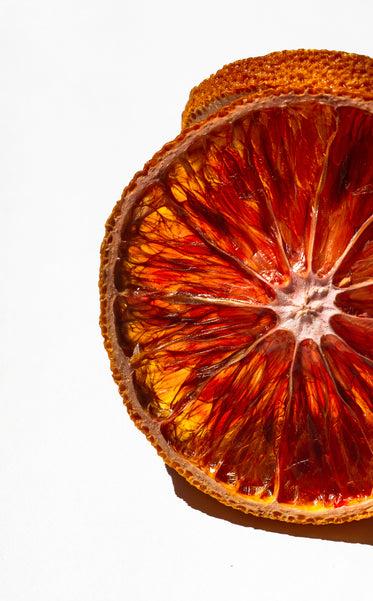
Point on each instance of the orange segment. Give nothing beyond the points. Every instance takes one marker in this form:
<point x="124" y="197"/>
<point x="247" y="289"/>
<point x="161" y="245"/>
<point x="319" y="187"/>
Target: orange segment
<point x="356" y="332"/>
<point x="357" y="266"/>
<point x="358" y="301"/>
<point x="346" y="199"/>
<point x="284" y="165"/>
<point x="173" y="347"/>
<point x="231" y="429"/>
<point x="325" y="458"/>
<point x="161" y="253"/>
<point x="353" y="377"/>
<point x="217" y="185"/>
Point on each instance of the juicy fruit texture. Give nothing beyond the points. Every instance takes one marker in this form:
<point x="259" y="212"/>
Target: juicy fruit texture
<point x="236" y="288"/>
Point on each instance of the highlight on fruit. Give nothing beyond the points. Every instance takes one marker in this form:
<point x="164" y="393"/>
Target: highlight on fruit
<point x="236" y="289"/>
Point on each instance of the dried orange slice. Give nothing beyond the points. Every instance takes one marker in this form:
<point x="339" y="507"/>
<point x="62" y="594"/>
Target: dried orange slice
<point x="237" y="284"/>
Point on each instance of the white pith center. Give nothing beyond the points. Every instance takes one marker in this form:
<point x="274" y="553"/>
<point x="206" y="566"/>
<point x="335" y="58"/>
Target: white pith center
<point x="305" y="306"/>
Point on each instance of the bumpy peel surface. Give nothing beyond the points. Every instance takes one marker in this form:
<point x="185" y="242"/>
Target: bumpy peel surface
<point x="237" y="284"/>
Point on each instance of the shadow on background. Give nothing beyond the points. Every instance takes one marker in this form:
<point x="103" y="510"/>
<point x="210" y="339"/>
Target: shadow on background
<point x="352" y="532"/>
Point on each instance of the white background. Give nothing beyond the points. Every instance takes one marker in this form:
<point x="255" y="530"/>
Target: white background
<point x="89" y="91"/>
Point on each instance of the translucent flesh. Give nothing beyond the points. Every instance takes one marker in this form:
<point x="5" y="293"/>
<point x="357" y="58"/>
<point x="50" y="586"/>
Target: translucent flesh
<point x="245" y="303"/>
<point x="346" y="197"/>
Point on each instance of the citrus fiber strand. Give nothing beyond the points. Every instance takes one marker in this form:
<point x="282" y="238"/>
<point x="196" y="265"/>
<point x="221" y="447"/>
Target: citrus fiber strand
<point x="316" y="433"/>
<point x="279" y="238"/>
<point x="202" y="299"/>
<point x="290" y="393"/>
<point x="210" y="243"/>
<point x="356" y="333"/>
<point x="163" y="259"/>
<point x="354" y="352"/>
<point x="354" y="286"/>
<point x="186" y="338"/>
<point x="358" y="301"/>
<point x="315" y="206"/>
<point x="215" y="370"/>
<point x="212" y="180"/>
<point x="337" y="388"/>
<point x="350" y="409"/>
<point x="359" y="323"/>
<point x="227" y="412"/>
<point x="352" y="349"/>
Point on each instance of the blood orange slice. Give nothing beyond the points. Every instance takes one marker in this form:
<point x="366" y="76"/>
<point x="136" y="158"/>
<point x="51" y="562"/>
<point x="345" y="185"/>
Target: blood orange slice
<point x="236" y="289"/>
